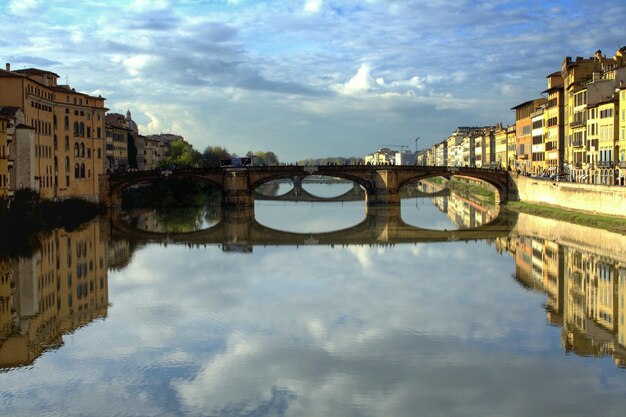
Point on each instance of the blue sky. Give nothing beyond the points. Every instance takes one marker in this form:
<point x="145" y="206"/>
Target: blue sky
<point x="308" y="78"/>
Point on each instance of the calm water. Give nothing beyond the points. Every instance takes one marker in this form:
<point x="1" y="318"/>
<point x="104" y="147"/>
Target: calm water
<point x="530" y="323"/>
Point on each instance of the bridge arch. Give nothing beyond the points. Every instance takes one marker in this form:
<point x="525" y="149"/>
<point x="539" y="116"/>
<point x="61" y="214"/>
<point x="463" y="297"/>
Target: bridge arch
<point x="500" y="185"/>
<point x="120" y="182"/>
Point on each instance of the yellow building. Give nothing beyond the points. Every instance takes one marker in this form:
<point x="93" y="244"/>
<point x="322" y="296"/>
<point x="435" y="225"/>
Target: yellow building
<point x="117" y="135"/>
<point x="6" y="161"/>
<point x="577" y="75"/>
<point x="384" y="156"/>
<point x="524" y="133"/>
<point x="554" y="137"/>
<point x="501" y="147"/>
<point x="621" y="144"/>
<point x="69" y="144"/>
<point x="602" y="138"/>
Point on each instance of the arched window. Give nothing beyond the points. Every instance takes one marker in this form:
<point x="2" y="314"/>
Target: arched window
<point x="56" y="143"/>
<point x="54" y="121"/>
<point x="67" y="164"/>
<point x="67" y="143"/>
<point x="76" y="170"/>
<point x="76" y="131"/>
<point x="56" y="164"/>
<point x="82" y="150"/>
<point x="82" y="170"/>
<point x="76" y="149"/>
<point x="88" y="132"/>
<point x="82" y="130"/>
<point x="66" y="123"/>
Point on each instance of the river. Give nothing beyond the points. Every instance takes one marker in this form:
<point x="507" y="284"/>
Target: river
<point x="317" y="309"/>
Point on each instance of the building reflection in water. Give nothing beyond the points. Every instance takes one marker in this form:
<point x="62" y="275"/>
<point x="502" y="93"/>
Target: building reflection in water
<point x="61" y="288"/>
<point x="584" y="282"/>
<point x="585" y="288"/>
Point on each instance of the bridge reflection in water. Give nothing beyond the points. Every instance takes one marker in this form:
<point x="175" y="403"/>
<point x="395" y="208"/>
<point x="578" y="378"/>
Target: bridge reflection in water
<point x="382" y="225"/>
<point x="63" y="286"/>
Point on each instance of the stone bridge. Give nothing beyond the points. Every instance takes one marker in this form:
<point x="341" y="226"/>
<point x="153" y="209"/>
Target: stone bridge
<point x="238" y="228"/>
<point x="382" y="184"/>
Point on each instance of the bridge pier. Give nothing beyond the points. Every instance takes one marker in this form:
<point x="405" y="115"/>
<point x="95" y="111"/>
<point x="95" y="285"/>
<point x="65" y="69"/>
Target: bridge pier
<point x="385" y="190"/>
<point x="237" y="191"/>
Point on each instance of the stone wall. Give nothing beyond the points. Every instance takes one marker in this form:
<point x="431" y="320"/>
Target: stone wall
<point x="599" y="199"/>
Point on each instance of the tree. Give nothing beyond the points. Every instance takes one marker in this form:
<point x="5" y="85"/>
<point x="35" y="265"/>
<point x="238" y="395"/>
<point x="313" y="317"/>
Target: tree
<point x="213" y="155"/>
<point x="181" y="154"/>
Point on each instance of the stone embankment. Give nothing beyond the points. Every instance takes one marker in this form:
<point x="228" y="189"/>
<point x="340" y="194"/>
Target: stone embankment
<point x="596" y="199"/>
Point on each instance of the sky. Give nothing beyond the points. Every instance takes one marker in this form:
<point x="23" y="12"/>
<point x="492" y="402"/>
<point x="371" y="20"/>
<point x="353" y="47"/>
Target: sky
<point x="308" y="78"/>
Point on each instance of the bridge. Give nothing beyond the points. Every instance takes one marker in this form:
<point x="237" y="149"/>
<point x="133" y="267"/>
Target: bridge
<point x="382" y="184"/>
<point x="238" y="228"/>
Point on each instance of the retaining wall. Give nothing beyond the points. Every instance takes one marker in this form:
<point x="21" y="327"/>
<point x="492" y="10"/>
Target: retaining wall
<point x="599" y="199"/>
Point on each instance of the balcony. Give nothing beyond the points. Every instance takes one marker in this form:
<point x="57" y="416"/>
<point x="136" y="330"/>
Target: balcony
<point x="577" y="143"/>
<point x="578" y="123"/>
<point x="605" y="164"/>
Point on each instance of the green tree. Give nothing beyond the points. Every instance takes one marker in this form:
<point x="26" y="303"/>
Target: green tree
<point x="213" y="155"/>
<point x="181" y="154"/>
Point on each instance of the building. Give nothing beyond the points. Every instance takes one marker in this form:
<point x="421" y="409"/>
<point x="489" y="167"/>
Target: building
<point x="501" y="147"/>
<point x="68" y="132"/>
<point x="405" y="158"/>
<point x="125" y="149"/>
<point x="621" y="146"/>
<point x="383" y="156"/>
<point x="554" y="120"/>
<point x="523" y="131"/>
<point x="6" y="159"/>
<point x="538" y="155"/>
<point x="155" y="150"/>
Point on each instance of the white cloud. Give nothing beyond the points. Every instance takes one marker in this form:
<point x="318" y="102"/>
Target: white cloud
<point x="22" y="6"/>
<point x="361" y="82"/>
<point x="143" y="5"/>
<point x="135" y="64"/>
<point x="313" y="6"/>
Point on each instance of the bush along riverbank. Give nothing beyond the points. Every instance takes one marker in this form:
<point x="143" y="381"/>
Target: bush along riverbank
<point x="25" y="217"/>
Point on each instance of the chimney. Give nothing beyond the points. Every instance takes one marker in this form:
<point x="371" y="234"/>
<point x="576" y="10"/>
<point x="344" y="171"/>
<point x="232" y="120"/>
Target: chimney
<point x="8" y="66"/>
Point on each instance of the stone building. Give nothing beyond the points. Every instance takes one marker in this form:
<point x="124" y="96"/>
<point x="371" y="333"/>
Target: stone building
<point x="68" y="132"/>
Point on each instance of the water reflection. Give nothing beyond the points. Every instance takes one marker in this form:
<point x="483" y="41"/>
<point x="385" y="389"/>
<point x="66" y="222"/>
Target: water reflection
<point x="59" y="289"/>
<point x="369" y="328"/>
<point x="585" y="282"/>
<point x="176" y="219"/>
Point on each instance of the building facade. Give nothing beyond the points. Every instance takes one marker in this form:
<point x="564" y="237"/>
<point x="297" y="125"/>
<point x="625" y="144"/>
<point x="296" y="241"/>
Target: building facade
<point x="68" y="132"/>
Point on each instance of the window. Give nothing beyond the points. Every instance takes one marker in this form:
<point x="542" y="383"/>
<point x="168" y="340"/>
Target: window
<point x="76" y="150"/>
<point x="82" y="150"/>
<point x="76" y="170"/>
<point x="82" y="130"/>
<point x="67" y="143"/>
<point x="82" y="170"/>
<point x="76" y="130"/>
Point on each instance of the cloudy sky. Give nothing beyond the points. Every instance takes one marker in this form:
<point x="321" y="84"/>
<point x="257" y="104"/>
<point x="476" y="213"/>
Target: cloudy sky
<point x="308" y="78"/>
